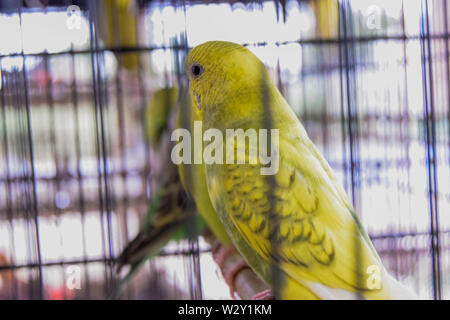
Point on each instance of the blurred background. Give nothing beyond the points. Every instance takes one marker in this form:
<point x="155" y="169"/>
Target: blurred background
<point x="369" y="79"/>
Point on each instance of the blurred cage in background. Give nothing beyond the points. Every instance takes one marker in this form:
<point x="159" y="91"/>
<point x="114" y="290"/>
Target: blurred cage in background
<point x="368" y="79"/>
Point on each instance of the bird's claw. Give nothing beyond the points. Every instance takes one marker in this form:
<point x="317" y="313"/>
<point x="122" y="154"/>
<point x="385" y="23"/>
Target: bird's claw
<point x="231" y="275"/>
<point x="264" y="295"/>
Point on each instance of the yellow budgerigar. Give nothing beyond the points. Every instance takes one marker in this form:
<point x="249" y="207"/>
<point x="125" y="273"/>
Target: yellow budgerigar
<point x="296" y="228"/>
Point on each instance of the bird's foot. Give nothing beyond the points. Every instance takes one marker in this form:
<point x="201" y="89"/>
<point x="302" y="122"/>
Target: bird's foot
<point x="264" y="295"/>
<point x="230" y="276"/>
<point x="221" y="254"/>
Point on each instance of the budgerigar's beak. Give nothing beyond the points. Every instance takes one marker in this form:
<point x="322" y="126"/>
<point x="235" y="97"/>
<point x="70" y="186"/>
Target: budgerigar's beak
<point x="197" y="99"/>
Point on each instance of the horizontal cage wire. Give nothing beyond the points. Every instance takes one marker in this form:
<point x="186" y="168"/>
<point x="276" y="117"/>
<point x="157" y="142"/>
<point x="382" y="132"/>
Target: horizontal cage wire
<point x="369" y="80"/>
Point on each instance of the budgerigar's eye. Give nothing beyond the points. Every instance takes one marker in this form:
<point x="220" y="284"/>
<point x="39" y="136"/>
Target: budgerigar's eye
<point x="196" y="70"/>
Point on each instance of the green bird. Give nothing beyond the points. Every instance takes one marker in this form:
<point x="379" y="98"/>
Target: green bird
<point x="172" y="213"/>
<point x="182" y="191"/>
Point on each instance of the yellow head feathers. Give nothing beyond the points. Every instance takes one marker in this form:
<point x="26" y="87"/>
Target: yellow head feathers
<point x="220" y="73"/>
